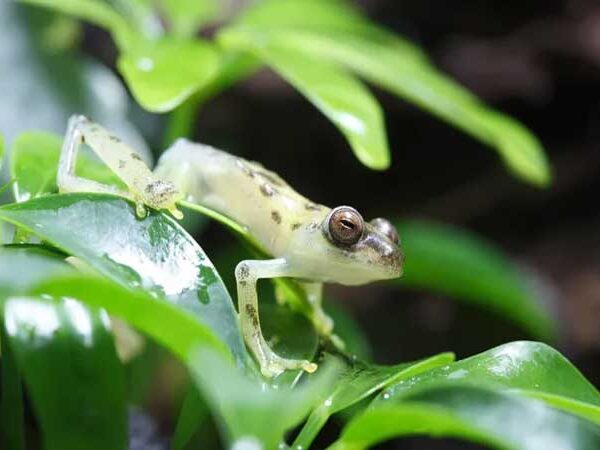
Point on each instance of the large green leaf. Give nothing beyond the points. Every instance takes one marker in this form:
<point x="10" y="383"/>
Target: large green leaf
<point x="451" y="261"/>
<point x="358" y="381"/>
<point x="155" y="254"/>
<point x="498" y="419"/>
<point x="63" y="343"/>
<point x="162" y="74"/>
<point x="291" y="336"/>
<point x="532" y="368"/>
<point x="337" y="94"/>
<point x="60" y="342"/>
<point x="250" y="410"/>
<point x="383" y="63"/>
<point x="250" y="413"/>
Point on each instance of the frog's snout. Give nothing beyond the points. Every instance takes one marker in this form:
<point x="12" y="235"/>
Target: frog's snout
<point x="395" y="261"/>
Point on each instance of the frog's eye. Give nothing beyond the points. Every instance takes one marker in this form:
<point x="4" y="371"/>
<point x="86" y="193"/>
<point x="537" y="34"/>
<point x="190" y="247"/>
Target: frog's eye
<point x="384" y="226"/>
<point x="345" y="225"/>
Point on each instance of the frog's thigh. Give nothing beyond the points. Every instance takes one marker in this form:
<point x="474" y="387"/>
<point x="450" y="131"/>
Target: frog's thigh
<point x="66" y="179"/>
<point x="247" y="273"/>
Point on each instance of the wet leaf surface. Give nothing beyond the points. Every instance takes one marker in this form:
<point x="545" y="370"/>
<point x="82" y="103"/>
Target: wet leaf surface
<point x="358" y="381"/>
<point x="154" y="254"/>
<point x="497" y="418"/>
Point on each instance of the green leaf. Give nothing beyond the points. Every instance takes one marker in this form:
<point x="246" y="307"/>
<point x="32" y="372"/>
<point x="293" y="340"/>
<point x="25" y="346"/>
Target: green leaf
<point x="451" y="261"/>
<point x="60" y="343"/>
<point x="175" y="329"/>
<point x="359" y="381"/>
<point x="338" y="95"/>
<point x="155" y="254"/>
<point x="411" y="77"/>
<point x="93" y="11"/>
<point x="1" y="152"/>
<point x="12" y="426"/>
<point x="250" y="413"/>
<point x="290" y="335"/>
<point x="61" y="82"/>
<point x="307" y="14"/>
<point x="498" y="419"/>
<point x="63" y="343"/>
<point x="185" y="17"/>
<point x="250" y="409"/>
<point x="34" y="162"/>
<point x="194" y="412"/>
<point x="532" y="368"/>
<point x="162" y="74"/>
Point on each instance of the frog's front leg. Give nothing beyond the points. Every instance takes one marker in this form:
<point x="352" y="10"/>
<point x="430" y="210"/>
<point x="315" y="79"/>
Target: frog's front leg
<point x="66" y="178"/>
<point x="247" y="273"/>
<point x="145" y="189"/>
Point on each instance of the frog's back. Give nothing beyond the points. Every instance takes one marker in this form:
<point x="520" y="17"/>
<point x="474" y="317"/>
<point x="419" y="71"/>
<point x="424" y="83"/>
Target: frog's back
<point x="242" y="190"/>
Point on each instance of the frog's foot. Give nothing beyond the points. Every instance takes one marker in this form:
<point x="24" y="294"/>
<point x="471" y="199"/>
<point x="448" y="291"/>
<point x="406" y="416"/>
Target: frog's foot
<point x="273" y="365"/>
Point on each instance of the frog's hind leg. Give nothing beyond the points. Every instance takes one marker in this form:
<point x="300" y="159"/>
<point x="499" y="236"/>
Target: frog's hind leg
<point x="66" y="179"/>
<point x="320" y="319"/>
<point x="247" y="273"/>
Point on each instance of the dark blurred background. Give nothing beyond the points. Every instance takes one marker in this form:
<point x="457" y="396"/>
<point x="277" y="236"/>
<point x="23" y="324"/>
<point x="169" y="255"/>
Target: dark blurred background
<point x="538" y="61"/>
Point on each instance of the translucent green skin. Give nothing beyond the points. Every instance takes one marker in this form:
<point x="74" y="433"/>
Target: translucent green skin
<point x="292" y="228"/>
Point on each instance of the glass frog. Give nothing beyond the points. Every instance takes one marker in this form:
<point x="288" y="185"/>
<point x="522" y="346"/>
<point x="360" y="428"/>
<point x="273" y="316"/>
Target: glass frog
<point x="310" y="242"/>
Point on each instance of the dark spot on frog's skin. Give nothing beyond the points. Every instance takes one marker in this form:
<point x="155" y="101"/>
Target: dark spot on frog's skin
<point x="296" y="225"/>
<point x="313" y="226"/>
<point x="243" y="272"/>
<point x="267" y="190"/>
<point x="251" y="312"/>
<point x="272" y="178"/>
<point x="247" y="170"/>
<point x="122" y="164"/>
<point x="114" y="138"/>
<point x="312" y="207"/>
<point x="135" y="156"/>
<point x="242" y="282"/>
<point x="276" y="217"/>
<point x="82" y="139"/>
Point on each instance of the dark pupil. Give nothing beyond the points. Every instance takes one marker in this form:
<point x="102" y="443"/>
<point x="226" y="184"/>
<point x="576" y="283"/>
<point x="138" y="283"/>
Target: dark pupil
<point x="347" y="223"/>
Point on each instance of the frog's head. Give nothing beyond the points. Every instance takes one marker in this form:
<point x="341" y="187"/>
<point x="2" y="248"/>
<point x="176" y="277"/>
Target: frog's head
<point x="345" y="249"/>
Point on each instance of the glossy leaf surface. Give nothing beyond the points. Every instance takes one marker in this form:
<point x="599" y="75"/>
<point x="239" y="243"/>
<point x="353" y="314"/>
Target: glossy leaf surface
<point x="498" y="419"/>
<point x="358" y="381"/>
<point x="419" y="82"/>
<point x="162" y="74"/>
<point x="532" y="368"/>
<point x="448" y="260"/>
<point x="61" y="342"/>
<point x="338" y="95"/>
<point x="155" y="254"/>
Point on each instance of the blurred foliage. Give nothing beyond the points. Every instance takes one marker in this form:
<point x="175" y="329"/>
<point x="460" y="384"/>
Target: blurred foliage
<point x="309" y="43"/>
<point x="79" y="257"/>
